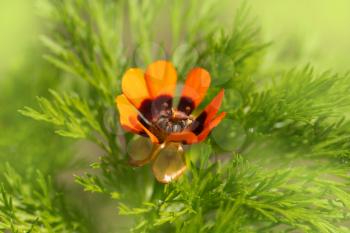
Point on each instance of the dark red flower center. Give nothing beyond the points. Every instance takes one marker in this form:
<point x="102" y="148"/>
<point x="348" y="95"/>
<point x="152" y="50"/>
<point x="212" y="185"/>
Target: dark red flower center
<point x="172" y="121"/>
<point x="162" y="119"/>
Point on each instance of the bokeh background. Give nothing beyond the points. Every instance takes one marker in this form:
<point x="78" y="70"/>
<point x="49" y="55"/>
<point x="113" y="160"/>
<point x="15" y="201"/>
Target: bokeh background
<point x="312" y="32"/>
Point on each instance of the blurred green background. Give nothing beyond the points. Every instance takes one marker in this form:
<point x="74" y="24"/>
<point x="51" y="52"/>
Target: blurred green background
<point x="19" y="29"/>
<point x="312" y="32"/>
<point x="315" y="32"/>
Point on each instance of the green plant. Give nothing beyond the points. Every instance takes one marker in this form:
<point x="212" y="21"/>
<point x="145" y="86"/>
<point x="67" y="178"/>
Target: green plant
<point x="282" y="164"/>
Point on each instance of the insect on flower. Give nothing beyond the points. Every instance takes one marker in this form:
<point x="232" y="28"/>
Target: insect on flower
<point x="146" y="108"/>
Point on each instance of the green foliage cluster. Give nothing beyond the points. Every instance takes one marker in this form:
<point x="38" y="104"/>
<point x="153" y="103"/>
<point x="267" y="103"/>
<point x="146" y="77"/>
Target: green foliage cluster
<point x="280" y="163"/>
<point x="27" y="206"/>
<point x="241" y="197"/>
<point x="16" y="129"/>
<point x="30" y="153"/>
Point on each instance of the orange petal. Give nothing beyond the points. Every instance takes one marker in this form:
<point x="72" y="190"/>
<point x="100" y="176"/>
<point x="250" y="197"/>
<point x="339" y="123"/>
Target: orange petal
<point x="134" y="86"/>
<point x="161" y="78"/>
<point x="213" y="107"/>
<point x="208" y="113"/>
<point x="128" y="115"/>
<point x="203" y="135"/>
<point x="153" y="138"/>
<point x="196" y="86"/>
<point x="185" y="137"/>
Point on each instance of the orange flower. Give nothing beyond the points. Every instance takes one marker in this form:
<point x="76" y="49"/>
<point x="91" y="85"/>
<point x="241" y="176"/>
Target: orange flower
<point x="146" y="108"/>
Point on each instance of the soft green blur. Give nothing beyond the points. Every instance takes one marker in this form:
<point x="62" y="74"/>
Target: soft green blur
<point x="18" y="32"/>
<point x="312" y="32"/>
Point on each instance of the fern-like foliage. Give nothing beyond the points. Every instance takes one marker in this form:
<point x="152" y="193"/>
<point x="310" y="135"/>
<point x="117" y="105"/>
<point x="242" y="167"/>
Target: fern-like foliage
<point x="27" y="206"/>
<point x="277" y="163"/>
